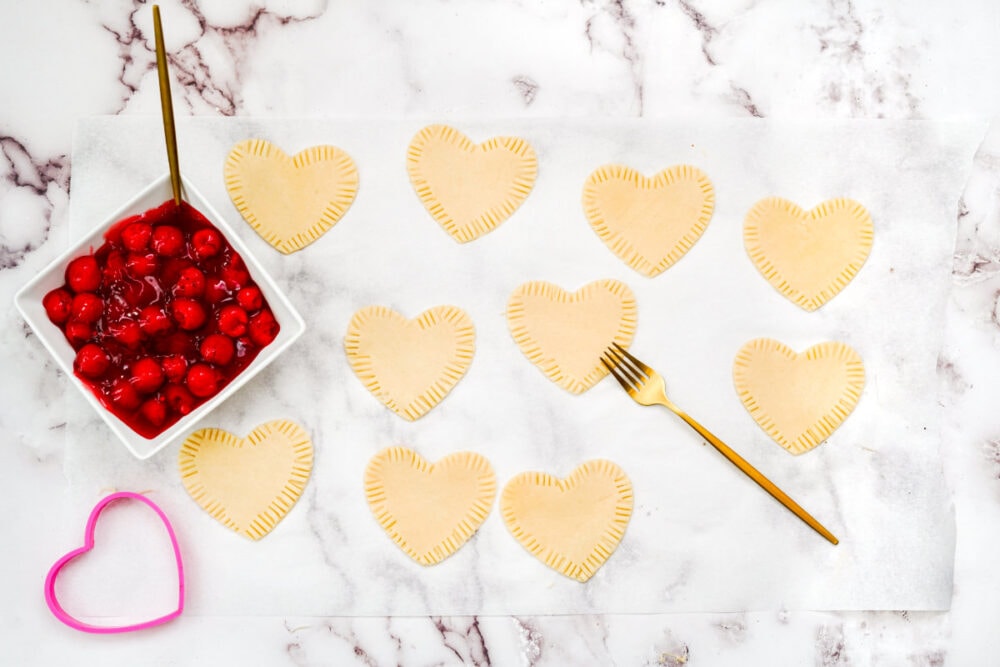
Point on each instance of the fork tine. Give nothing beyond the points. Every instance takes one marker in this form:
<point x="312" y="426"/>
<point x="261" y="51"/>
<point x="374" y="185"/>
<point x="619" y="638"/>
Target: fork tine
<point x="636" y="373"/>
<point x="614" y="371"/>
<point x="622" y="369"/>
<point x="645" y="369"/>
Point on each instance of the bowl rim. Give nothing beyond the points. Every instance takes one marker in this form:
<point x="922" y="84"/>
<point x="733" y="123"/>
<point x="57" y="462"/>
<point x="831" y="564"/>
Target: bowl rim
<point x="292" y="323"/>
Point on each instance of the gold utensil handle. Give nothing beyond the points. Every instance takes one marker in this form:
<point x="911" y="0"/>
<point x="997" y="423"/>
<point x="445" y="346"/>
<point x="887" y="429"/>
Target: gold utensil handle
<point x="167" y="108"/>
<point x="753" y="474"/>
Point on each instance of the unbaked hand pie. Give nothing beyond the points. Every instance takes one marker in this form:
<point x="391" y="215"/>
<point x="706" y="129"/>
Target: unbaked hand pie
<point x="573" y="525"/>
<point x="649" y="223"/>
<point x="798" y="399"/>
<point x="290" y="201"/>
<point x="247" y="484"/>
<point x="564" y="333"/>
<point x="429" y="509"/>
<point x="470" y="188"/>
<point x="410" y="365"/>
<point x="808" y="256"/>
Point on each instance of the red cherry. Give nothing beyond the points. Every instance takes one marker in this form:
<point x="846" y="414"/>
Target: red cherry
<point x="147" y="375"/>
<point x="114" y="266"/>
<point x="126" y="332"/>
<point x="263" y="328"/>
<point x="170" y="269"/>
<point x="174" y="367"/>
<point x="235" y="273"/>
<point x="91" y="361"/>
<point x="124" y="395"/>
<point x="87" y="307"/>
<point x="206" y="243"/>
<point x="168" y="241"/>
<point x="83" y="274"/>
<point x="178" y="399"/>
<point x="153" y="320"/>
<point x="218" y="349"/>
<point x="202" y="380"/>
<point x="215" y="290"/>
<point x="114" y="235"/>
<point x="233" y="321"/>
<point x="250" y="298"/>
<point x="58" y="304"/>
<point x="188" y="313"/>
<point x="139" y="293"/>
<point x="78" y="333"/>
<point x="190" y="283"/>
<point x="155" y="410"/>
<point x="141" y="265"/>
<point x="136" y="236"/>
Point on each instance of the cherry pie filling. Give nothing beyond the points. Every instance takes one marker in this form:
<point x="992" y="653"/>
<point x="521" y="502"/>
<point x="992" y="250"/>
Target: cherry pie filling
<point x="162" y="316"/>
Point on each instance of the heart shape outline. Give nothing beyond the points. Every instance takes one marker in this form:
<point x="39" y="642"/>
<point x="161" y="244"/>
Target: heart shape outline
<point x="552" y="362"/>
<point x="820" y="420"/>
<point x="451" y="371"/>
<point x="483" y="219"/>
<point x="475" y="512"/>
<point x="820" y="261"/>
<point x="618" y="223"/>
<point x="204" y="487"/>
<point x="263" y="159"/>
<point x="610" y="533"/>
<point x="88" y="544"/>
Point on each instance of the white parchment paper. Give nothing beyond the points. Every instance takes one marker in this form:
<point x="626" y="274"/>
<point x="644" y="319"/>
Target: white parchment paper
<point x="702" y="537"/>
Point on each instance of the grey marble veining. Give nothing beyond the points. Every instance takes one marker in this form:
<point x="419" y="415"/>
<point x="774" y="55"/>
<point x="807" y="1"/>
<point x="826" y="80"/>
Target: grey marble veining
<point x="838" y="59"/>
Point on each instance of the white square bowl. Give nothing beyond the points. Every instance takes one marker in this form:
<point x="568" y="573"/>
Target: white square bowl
<point x="29" y="303"/>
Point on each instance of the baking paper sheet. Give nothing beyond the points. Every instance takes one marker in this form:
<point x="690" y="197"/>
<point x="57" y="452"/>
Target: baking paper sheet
<point x="702" y="537"/>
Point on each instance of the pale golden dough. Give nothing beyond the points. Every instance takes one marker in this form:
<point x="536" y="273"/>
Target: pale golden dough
<point x="798" y="399"/>
<point x="410" y="365"/>
<point x="564" y="333"/>
<point x="571" y="525"/>
<point x="470" y="188"/>
<point x="429" y="510"/>
<point x="247" y="484"/>
<point x="649" y="223"/>
<point x="290" y="201"/>
<point x="808" y="256"/>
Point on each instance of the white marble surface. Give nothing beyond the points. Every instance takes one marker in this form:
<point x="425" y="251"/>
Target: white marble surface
<point x="440" y="60"/>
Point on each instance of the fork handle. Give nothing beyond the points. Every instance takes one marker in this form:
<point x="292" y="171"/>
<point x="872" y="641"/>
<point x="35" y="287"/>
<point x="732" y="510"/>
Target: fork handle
<point x="752" y="473"/>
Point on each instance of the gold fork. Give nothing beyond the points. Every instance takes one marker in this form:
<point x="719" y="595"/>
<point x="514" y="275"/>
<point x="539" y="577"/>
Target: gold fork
<point x="647" y="387"/>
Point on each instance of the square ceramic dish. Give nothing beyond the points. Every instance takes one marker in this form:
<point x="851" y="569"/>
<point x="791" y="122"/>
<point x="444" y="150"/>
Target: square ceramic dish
<point x="29" y="303"/>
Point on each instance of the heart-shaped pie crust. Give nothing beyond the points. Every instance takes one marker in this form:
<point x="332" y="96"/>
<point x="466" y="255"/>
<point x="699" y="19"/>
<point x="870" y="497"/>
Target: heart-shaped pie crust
<point x="429" y="509"/>
<point x="410" y="365"/>
<point x="290" y="201"/>
<point x="470" y="188"/>
<point x="572" y="525"/>
<point x="564" y="334"/>
<point x="247" y="484"/>
<point x="808" y="256"/>
<point x="798" y="399"/>
<point x="649" y="223"/>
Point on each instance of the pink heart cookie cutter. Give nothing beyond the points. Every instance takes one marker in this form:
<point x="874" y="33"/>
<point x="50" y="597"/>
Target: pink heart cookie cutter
<point x="88" y="544"/>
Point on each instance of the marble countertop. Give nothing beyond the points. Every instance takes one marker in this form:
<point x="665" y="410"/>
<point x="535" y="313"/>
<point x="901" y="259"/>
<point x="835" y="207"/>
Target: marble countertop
<point x="670" y="59"/>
